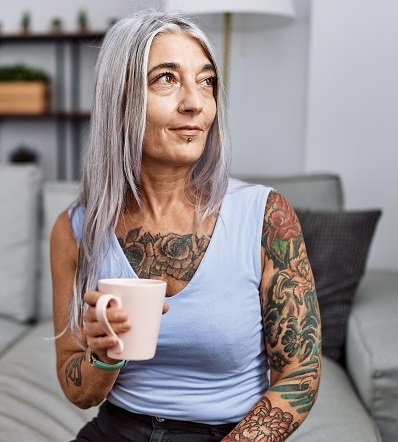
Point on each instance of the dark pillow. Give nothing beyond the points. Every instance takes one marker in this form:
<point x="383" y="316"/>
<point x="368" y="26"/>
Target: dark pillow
<point x="337" y="246"/>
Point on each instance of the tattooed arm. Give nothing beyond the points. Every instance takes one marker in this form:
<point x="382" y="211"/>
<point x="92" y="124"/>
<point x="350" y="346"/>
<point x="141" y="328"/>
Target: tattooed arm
<point x="292" y="330"/>
<point x="82" y="384"/>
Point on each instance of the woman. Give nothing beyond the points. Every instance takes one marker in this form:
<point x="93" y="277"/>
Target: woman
<point x="157" y="202"/>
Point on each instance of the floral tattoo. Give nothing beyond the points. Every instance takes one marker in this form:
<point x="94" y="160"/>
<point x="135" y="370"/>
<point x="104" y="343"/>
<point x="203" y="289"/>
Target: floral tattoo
<point x="174" y="255"/>
<point x="270" y="424"/>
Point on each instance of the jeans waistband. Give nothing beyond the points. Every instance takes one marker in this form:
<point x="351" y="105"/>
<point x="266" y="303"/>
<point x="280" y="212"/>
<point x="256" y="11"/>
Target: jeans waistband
<point x="168" y="423"/>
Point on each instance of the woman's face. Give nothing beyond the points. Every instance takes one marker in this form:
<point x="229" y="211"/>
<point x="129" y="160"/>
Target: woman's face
<point x="181" y="106"/>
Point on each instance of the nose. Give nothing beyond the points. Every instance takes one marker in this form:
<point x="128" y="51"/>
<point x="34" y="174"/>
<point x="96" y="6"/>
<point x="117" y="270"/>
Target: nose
<point x="190" y="99"/>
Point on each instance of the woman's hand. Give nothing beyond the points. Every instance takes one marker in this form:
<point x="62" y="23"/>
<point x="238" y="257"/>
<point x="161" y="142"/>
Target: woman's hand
<point x="96" y="338"/>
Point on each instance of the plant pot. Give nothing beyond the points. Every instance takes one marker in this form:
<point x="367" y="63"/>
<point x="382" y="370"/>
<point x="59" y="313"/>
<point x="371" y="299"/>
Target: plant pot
<point x="26" y="98"/>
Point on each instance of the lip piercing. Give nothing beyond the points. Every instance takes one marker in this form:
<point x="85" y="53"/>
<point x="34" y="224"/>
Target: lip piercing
<point x="189" y="140"/>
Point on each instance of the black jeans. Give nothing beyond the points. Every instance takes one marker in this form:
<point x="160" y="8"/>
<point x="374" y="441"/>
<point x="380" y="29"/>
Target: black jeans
<point x="114" y="424"/>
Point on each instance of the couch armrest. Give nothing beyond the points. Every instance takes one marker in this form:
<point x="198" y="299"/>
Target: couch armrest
<point x="372" y="348"/>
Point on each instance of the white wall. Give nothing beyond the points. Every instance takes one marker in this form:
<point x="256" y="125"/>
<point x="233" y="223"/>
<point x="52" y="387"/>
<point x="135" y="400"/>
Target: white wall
<point x="267" y="97"/>
<point x="353" y="108"/>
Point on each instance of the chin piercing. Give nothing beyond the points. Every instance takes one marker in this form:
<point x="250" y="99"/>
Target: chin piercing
<point x="189" y="140"/>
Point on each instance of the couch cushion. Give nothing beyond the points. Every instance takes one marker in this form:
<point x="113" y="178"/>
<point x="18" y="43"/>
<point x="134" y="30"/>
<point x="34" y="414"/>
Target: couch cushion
<point x="372" y="348"/>
<point x="10" y="332"/>
<point x="57" y="196"/>
<point x="306" y="191"/>
<point x="337" y="244"/>
<point x="19" y="197"/>
<point x="338" y="415"/>
<point x="33" y="407"/>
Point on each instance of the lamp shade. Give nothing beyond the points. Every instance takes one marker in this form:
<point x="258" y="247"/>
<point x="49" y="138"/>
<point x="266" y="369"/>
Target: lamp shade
<point x="250" y="15"/>
<point x="273" y="11"/>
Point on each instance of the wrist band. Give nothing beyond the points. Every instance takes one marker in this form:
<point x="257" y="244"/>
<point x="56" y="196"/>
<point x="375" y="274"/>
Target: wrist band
<point x="95" y="362"/>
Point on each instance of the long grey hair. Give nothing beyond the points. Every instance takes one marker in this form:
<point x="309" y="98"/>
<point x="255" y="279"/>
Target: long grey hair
<point x="113" y="160"/>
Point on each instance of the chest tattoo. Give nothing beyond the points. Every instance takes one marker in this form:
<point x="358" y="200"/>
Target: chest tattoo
<point x="177" y="256"/>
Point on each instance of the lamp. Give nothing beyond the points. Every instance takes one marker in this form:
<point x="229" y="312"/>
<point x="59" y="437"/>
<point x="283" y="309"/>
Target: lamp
<point x="263" y="13"/>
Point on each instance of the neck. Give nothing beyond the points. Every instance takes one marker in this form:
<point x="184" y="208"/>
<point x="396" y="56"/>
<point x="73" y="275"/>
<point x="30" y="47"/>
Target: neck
<point x="164" y="195"/>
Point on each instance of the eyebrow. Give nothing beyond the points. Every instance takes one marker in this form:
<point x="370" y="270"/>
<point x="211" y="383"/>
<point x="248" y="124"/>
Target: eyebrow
<point x="176" y="66"/>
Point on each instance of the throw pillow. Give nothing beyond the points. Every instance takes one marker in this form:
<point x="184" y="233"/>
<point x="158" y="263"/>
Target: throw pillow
<point x="337" y="244"/>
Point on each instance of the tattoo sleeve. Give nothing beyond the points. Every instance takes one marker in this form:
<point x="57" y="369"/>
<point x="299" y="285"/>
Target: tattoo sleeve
<point x="291" y="328"/>
<point x="73" y="370"/>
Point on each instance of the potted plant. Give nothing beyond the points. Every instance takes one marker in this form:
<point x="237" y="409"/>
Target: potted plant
<point x="23" y="90"/>
<point x="56" y="25"/>
<point x="82" y="21"/>
<point x="23" y="154"/>
<point x="25" y="22"/>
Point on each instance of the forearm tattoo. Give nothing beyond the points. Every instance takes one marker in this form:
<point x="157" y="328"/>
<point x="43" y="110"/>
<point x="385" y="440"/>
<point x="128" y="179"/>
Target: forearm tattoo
<point x="265" y="423"/>
<point x="158" y="255"/>
<point x="291" y="328"/>
<point x="73" y="370"/>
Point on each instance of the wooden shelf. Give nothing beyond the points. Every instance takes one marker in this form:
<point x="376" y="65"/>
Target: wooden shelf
<point x="69" y="124"/>
<point x="48" y="115"/>
<point x="50" y="37"/>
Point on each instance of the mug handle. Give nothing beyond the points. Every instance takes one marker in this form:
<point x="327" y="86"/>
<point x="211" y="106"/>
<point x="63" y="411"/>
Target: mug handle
<point x="100" y="311"/>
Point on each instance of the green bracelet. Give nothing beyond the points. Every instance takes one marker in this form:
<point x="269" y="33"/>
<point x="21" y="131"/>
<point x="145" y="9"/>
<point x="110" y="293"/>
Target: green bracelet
<point x="95" y="362"/>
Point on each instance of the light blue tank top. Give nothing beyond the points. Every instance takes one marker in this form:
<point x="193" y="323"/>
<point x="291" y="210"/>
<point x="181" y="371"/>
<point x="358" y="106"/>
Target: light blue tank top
<point x="210" y="365"/>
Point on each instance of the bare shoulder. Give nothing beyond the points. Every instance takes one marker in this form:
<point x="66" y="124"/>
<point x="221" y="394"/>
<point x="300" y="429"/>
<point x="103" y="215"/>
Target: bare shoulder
<point x="284" y="251"/>
<point x="62" y="234"/>
<point x="280" y="227"/>
<point x="63" y="245"/>
<point x="62" y="223"/>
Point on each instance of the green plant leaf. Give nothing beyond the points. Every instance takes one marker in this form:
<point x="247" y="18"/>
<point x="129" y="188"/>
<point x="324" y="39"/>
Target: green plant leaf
<point x="21" y="72"/>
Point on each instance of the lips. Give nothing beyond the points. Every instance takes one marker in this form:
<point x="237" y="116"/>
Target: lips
<point x="188" y="131"/>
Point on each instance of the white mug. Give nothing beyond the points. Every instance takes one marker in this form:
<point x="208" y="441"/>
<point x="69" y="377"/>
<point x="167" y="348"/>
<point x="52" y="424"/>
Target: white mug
<point x="143" y="301"/>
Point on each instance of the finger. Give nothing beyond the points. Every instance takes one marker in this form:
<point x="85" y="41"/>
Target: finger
<point x="95" y="329"/>
<point x="100" y="344"/>
<point x="165" y="308"/>
<point x="91" y="297"/>
<point x="117" y="319"/>
<point x="113" y="314"/>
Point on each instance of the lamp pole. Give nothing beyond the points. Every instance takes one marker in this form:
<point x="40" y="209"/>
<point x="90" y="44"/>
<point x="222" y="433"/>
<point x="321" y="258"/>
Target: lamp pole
<point x="227" y="17"/>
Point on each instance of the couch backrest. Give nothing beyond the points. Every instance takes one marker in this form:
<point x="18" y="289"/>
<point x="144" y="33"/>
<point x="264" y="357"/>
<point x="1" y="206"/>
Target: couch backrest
<point x="307" y="191"/>
<point x="19" y="201"/>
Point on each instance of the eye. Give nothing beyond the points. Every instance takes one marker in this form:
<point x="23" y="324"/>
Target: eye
<point x="210" y="81"/>
<point x="165" y="77"/>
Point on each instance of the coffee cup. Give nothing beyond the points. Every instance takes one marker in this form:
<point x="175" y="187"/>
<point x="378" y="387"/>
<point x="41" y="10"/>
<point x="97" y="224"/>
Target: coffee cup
<point x="143" y="300"/>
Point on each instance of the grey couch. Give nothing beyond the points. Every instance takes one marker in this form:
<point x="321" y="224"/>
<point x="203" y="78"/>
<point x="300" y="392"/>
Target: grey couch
<point x="357" y="401"/>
